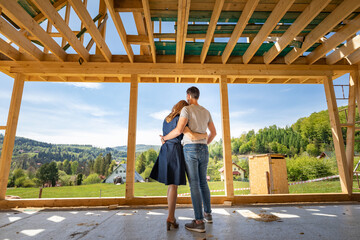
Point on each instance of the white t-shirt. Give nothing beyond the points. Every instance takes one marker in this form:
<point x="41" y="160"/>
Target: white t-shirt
<point x="198" y="121"/>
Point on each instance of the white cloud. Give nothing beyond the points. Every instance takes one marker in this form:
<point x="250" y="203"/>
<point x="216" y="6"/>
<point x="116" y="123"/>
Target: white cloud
<point x="84" y="85"/>
<point x="161" y="115"/>
<point x="236" y="114"/>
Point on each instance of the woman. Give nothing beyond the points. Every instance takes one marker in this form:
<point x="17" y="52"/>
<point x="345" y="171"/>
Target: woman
<point x="169" y="167"/>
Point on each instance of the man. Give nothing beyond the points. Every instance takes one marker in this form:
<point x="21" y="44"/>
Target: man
<point x="196" y="156"/>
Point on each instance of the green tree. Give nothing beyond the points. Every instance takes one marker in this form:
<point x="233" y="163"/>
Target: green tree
<point x="141" y="163"/>
<point x="48" y="173"/>
<point x="67" y="167"/>
<point x="151" y="156"/>
<point x="97" y="164"/>
<point x="74" y="167"/>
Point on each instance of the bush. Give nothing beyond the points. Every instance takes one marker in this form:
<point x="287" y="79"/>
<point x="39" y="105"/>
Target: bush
<point x="19" y="182"/>
<point x="28" y="183"/>
<point x="92" y="179"/>
<point x="64" y="179"/>
<point x="304" y="168"/>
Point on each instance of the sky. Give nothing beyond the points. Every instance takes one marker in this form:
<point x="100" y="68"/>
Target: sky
<point x="97" y="113"/>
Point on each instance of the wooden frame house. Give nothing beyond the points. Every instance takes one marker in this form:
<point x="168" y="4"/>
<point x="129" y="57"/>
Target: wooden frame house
<point x="287" y="42"/>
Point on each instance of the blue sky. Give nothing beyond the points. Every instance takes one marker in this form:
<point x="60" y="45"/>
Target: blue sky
<point x="97" y="113"/>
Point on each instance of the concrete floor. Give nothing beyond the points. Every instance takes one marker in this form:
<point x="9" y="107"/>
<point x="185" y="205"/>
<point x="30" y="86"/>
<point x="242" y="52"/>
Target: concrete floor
<point x="334" y="221"/>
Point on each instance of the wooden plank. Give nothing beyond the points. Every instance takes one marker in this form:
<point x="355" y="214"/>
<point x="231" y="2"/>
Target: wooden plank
<point x="19" y="39"/>
<point x="102" y="10"/>
<point x="67" y="19"/>
<point x="239" y="28"/>
<point x="48" y="30"/>
<point x="182" y="24"/>
<point x="337" y="135"/>
<point x="85" y="17"/>
<point x="51" y="13"/>
<point x="120" y="29"/>
<point x="350" y="134"/>
<point x="57" y="5"/>
<point x="138" y="39"/>
<point x="9" y="138"/>
<point x="2" y="127"/>
<point x="345" y="50"/>
<point x="21" y="17"/>
<point x="211" y="29"/>
<point x="140" y="26"/>
<point x="149" y="28"/>
<point x="354" y="58"/>
<point x="9" y="51"/>
<point x="336" y="16"/>
<point x="225" y="117"/>
<point x="82" y="24"/>
<point x="303" y="20"/>
<point x="131" y="146"/>
<point x="275" y="16"/>
<point x="342" y="35"/>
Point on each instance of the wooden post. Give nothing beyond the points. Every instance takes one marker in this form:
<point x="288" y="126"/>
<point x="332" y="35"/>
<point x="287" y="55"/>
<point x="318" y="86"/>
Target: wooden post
<point x="225" y="117"/>
<point x="131" y="146"/>
<point x="337" y="135"/>
<point x="350" y="134"/>
<point x="9" y="138"/>
<point x="102" y="9"/>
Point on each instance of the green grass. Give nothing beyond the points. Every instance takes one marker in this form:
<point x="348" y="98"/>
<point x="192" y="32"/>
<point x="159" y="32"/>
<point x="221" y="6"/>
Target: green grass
<point x="158" y="189"/>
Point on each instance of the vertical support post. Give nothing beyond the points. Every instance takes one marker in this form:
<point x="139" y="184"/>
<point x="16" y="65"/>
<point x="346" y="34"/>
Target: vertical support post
<point x="131" y="146"/>
<point x="225" y="117"/>
<point x="67" y="18"/>
<point x="102" y="9"/>
<point x="9" y="138"/>
<point x="337" y="135"/>
<point x="350" y="134"/>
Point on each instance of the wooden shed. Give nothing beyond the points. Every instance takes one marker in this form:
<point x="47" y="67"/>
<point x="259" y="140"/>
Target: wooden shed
<point x="262" y="42"/>
<point x="267" y="174"/>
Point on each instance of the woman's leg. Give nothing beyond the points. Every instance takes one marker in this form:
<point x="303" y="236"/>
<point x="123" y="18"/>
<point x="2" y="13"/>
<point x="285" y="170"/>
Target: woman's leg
<point x="172" y="197"/>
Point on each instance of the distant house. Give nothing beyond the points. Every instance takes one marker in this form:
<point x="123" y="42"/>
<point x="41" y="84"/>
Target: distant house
<point x="326" y="154"/>
<point x="237" y="171"/>
<point x="120" y="171"/>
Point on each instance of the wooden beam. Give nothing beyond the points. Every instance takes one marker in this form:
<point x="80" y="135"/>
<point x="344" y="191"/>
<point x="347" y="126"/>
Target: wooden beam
<point x="225" y="117"/>
<point x="19" y="39"/>
<point x="21" y="17"/>
<point x="345" y="50"/>
<point x="239" y="28"/>
<point x="181" y="32"/>
<point x="9" y="138"/>
<point x="131" y="146"/>
<point x="337" y="136"/>
<point x="275" y="16"/>
<point x="138" y="39"/>
<point x="102" y="10"/>
<point x="350" y="134"/>
<point x="211" y="29"/>
<point x="67" y="19"/>
<point x="2" y="127"/>
<point x="54" y="17"/>
<point x="120" y="29"/>
<point x="302" y="21"/>
<point x="354" y="58"/>
<point x="85" y="17"/>
<point x="336" y="16"/>
<point x="57" y="5"/>
<point x="82" y="24"/>
<point x="149" y="28"/>
<point x="342" y="35"/>
<point x="140" y="26"/>
<point x="9" y="51"/>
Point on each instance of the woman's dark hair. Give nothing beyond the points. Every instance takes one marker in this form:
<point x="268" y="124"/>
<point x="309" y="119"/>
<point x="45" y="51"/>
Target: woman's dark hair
<point x="193" y="92"/>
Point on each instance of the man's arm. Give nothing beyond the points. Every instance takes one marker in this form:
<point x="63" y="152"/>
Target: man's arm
<point x="194" y="135"/>
<point x="178" y="130"/>
<point x="212" y="134"/>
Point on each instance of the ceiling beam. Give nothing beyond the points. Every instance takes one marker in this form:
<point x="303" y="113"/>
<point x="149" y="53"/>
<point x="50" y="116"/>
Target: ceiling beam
<point x="239" y="28"/>
<point x="9" y="50"/>
<point x="120" y="29"/>
<point x="275" y="16"/>
<point x="22" y="18"/>
<point x="300" y="23"/>
<point x="181" y="32"/>
<point x="354" y="58"/>
<point x="86" y="19"/>
<point x="149" y="28"/>
<point x="57" y="5"/>
<point x="336" y="16"/>
<point x="20" y="40"/>
<point x="342" y="35"/>
<point x="52" y="14"/>
<point x="211" y="29"/>
<point x="345" y="50"/>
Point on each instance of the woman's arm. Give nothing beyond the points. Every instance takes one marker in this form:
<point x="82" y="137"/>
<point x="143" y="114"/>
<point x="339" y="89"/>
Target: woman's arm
<point x="193" y="135"/>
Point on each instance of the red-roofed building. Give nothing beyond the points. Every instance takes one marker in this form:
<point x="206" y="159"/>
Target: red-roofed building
<point x="237" y="171"/>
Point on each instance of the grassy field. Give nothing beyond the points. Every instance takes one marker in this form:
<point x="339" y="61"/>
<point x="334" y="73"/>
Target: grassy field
<point x="157" y="189"/>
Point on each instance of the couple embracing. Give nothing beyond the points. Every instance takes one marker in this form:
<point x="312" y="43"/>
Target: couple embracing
<point x="184" y="149"/>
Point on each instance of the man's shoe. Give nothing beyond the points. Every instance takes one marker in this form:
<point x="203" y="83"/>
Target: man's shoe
<point x="208" y="217"/>
<point x="196" y="227"/>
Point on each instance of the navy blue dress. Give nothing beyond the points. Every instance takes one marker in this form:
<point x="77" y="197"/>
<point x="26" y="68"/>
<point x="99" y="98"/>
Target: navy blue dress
<point x="169" y="167"/>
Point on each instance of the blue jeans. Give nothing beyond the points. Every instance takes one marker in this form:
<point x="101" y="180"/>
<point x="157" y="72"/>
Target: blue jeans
<point x="196" y="160"/>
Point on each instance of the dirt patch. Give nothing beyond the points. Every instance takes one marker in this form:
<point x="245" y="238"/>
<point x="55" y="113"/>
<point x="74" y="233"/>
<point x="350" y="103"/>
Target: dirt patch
<point x="266" y="218"/>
